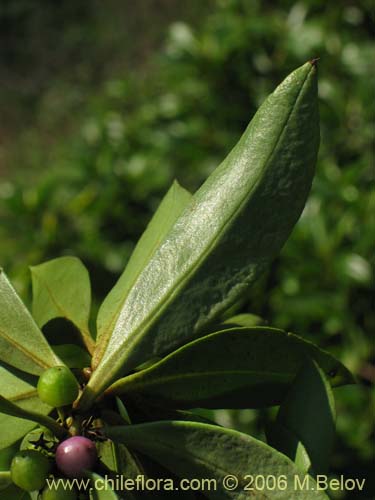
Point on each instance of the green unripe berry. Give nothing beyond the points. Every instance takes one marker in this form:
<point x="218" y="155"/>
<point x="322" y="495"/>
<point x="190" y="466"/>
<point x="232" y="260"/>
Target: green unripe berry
<point x="60" y="493"/>
<point x="29" y="470"/>
<point x="57" y="386"/>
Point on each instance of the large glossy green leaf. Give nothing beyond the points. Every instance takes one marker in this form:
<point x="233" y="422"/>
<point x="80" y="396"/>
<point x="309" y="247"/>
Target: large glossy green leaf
<point x="169" y="209"/>
<point x="201" y="451"/>
<point x="308" y="411"/>
<point x="61" y="289"/>
<point x="20" y="389"/>
<point x="22" y="344"/>
<point x="227" y="235"/>
<point x="236" y="368"/>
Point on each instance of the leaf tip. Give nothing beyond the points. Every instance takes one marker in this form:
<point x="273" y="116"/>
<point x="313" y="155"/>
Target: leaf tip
<point x="314" y="61"/>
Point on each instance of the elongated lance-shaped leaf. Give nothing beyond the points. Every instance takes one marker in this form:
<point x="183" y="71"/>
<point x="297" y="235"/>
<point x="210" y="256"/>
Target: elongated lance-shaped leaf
<point x="308" y="412"/>
<point x="236" y="368"/>
<point x="201" y="451"/>
<point x="61" y="289"/>
<point x="169" y="209"/>
<point x="231" y="229"/>
<point x="22" y="344"/>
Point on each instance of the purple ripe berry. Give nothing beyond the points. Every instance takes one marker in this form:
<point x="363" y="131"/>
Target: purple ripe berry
<point x="75" y="455"/>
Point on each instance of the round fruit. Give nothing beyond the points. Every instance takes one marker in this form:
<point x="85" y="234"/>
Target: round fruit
<point x="29" y="470"/>
<point x="57" y="386"/>
<point x="75" y="455"/>
<point x="60" y="493"/>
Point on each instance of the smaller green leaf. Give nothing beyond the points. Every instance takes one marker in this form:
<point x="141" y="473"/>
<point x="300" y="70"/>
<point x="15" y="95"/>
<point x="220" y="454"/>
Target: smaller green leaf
<point x="12" y="429"/>
<point x="22" y="344"/>
<point x="245" y="319"/>
<point x="308" y="411"/>
<point x="234" y="321"/>
<point x="123" y="411"/>
<point x="283" y="440"/>
<point x="5" y="479"/>
<point x="19" y="388"/>
<point x="12" y="492"/>
<point x="13" y="410"/>
<point x="61" y="289"/>
<point x="234" y="368"/>
<point x="6" y="455"/>
<point x="200" y="451"/>
<point x="169" y="209"/>
<point x="72" y="355"/>
<point x="120" y="461"/>
<point x="107" y="455"/>
<point x="103" y="491"/>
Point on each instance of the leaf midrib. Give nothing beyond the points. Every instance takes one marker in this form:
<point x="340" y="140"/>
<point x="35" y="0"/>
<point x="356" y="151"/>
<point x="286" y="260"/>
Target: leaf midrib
<point x="274" y="376"/>
<point x="60" y="309"/>
<point x="82" y="327"/>
<point x="23" y="349"/>
<point x="213" y="467"/>
<point x="25" y="395"/>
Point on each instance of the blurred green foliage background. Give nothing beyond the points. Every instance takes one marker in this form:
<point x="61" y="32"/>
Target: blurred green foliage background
<point x="104" y="104"/>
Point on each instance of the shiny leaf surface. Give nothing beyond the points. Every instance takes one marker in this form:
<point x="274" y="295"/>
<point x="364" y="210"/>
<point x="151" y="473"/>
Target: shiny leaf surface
<point x="169" y="209"/>
<point x="236" y="368"/>
<point x="22" y="344"/>
<point x="232" y="228"/>
<point x="202" y="451"/>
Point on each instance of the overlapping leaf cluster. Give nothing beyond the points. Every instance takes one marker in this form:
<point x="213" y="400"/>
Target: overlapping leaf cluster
<point x="162" y="346"/>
